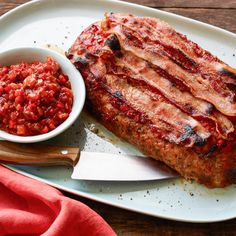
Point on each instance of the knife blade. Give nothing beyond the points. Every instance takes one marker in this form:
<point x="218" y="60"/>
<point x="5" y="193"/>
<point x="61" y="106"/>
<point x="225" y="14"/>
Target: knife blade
<point x="86" y="165"/>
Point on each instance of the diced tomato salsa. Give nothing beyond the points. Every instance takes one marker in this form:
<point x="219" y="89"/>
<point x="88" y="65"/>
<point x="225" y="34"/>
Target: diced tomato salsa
<point x="34" y="97"/>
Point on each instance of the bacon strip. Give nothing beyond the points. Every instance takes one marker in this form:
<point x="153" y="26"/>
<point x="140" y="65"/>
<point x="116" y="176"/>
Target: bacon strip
<point x="206" y="61"/>
<point x="159" y="111"/>
<point x="157" y="31"/>
<point x="184" y="100"/>
<point x="203" y="85"/>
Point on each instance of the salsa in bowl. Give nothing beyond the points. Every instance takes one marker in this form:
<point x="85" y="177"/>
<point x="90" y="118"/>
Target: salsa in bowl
<point x="41" y="94"/>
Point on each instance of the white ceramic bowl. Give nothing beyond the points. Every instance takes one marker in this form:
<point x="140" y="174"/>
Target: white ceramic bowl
<point x="29" y="54"/>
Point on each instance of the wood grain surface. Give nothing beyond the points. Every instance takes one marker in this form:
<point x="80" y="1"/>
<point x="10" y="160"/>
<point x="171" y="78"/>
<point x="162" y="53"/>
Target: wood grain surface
<point x="221" y="13"/>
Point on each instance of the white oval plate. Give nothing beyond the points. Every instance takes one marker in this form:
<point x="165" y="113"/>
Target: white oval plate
<point x="57" y="24"/>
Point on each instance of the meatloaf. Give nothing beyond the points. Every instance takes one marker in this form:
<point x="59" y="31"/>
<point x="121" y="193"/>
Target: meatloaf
<point x="156" y="89"/>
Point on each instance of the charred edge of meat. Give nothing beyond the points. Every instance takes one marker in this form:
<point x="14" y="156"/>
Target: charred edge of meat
<point x="190" y="109"/>
<point x="231" y="175"/>
<point x="118" y="102"/>
<point x="118" y="94"/>
<point x="189" y="132"/>
<point x="232" y="87"/>
<point x="199" y="141"/>
<point x="181" y="59"/>
<point x="223" y="71"/>
<point x="113" y="43"/>
<point x="89" y="55"/>
<point x="69" y="55"/>
<point x="212" y="150"/>
<point x="165" y="74"/>
<point x="133" y="40"/>
<point x="79" y="62"/>
<point x="210" y="109"/>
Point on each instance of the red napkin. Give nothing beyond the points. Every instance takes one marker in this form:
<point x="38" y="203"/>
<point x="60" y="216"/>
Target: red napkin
<point x="29" y="207"/>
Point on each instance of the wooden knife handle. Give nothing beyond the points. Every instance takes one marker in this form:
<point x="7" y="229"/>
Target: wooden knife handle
<point x="37" y="154"/>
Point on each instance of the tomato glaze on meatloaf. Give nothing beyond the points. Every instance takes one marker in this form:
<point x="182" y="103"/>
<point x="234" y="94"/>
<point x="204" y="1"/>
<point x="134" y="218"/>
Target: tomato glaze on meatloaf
<point x="163" y="93"/>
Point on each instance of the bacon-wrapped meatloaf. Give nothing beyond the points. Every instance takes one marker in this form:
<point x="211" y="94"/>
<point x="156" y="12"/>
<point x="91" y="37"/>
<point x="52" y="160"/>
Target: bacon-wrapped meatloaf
<point x="163" y="93"/>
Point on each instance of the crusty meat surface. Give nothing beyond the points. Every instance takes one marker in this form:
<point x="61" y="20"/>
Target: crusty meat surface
<point x="156" y="89"/>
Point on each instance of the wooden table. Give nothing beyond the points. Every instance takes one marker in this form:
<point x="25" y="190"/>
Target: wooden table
<point x="221" y="13"/>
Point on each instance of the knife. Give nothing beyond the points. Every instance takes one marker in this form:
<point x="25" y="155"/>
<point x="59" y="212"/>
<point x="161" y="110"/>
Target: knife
<point x="87" y="165"/>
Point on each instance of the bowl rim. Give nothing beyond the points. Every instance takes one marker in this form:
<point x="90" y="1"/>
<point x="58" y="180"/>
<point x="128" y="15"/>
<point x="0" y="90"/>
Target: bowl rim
<point x="78" y="99"/>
